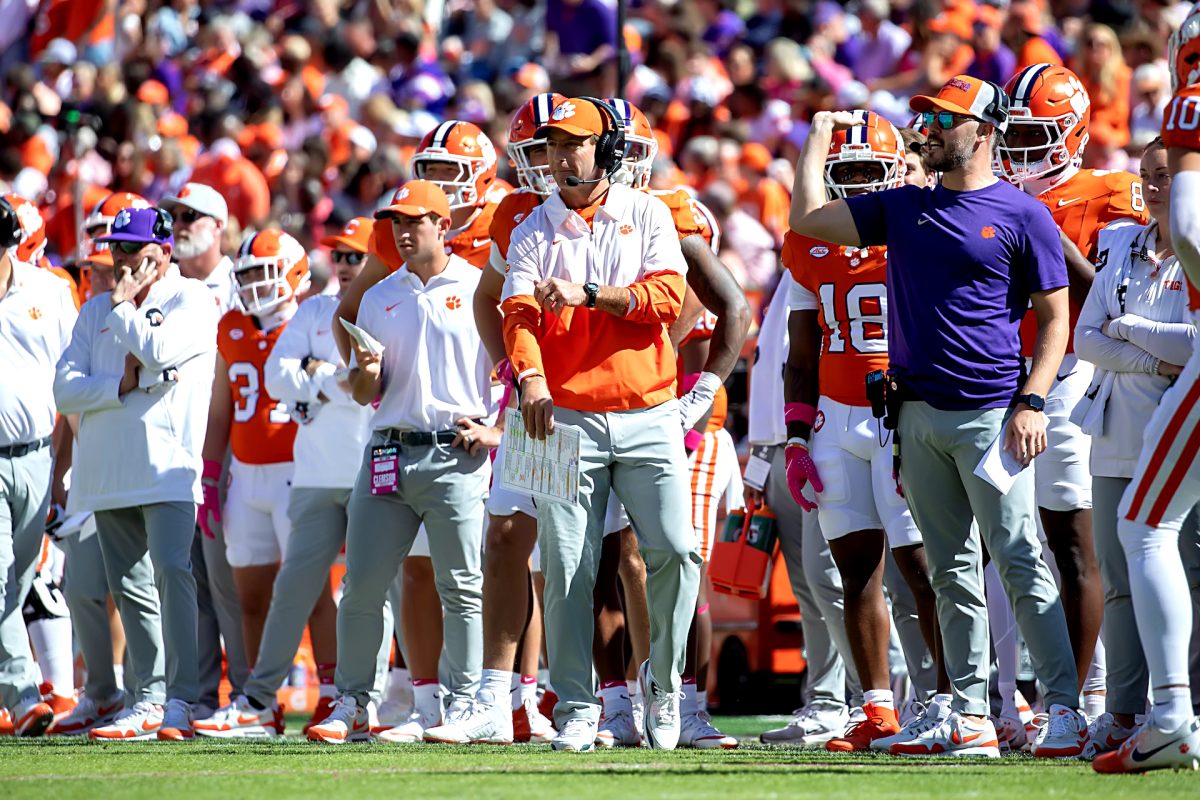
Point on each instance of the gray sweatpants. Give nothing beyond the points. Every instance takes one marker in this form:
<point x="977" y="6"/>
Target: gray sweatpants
<point x="24" y="500"/>
<point x="1128" y="676"/>
<point x="639" y="455"/>
<point x="85" y="587"/>
<point x="445" y="489"/>
<point x="940" y="451"/>
<point x="220" y="618"/>
<point x="1189" y="550"/>
<point x="817" y="586"/>
<point x="318" y="519"/>
<point x="162" y="648"/>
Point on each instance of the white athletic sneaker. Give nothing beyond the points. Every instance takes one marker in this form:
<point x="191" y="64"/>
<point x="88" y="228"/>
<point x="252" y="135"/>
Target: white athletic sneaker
<point x="1149" y="748"/>
<point x="660" y="728"/>
<point x="809" y="727"/>
<point x="1035" y="727"/>
<point x="639" y="711"/>
<point x="1065" y="734"/>
<point x="531" y="725"/>
<point x="393" y="713"/>
<point x="481" y="722"/>
<point x="137" y="723"/>
<point x="954" y="736"/>
<point x="922" y="718"/>
<point x="1105" y="735"/>
<point x="88" y="713"/>
<point x="177" y="722"/>
<point x="578" y="735"/>
<point x="618" y="730"/>
<point x="413" y="729"/>
<point x="347" y="722"/>
<point x="697" y="730"/>
<point x="240" y="720"/>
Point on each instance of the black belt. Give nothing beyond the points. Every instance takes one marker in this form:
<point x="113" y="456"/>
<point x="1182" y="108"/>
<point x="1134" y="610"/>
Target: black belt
<point x="18" y="450"/>
<point x="418" y="438"/>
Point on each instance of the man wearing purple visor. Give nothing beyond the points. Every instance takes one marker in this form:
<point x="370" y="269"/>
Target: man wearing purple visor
<point x="139" y="374"/>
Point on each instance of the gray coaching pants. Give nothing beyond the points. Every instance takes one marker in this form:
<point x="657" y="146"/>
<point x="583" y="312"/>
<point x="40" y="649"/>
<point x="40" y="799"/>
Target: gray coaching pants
<point x="163" y="649"/>
<point x="318" y="518"/>
<point x="638" y="454"/>
<point x="24" y="500"/>
<point x="940" y="451"/>
<point x="220" y="617"/>
<point x="445" y="489"/>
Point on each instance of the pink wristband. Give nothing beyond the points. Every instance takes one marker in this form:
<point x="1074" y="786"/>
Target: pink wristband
<point x="692" y="439"/>
<point x="212" y="469"/>
<point x="689" y="381"/>
<point x="799" y="412"/>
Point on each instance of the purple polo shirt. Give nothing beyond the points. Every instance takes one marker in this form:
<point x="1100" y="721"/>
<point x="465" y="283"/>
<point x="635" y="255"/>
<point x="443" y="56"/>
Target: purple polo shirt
<point x="961" y="267"/>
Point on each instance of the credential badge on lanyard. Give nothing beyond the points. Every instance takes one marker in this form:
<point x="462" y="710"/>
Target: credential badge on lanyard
<point x="385" y="469"/>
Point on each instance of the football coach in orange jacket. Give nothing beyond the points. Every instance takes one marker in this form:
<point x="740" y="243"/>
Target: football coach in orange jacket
<point x="596" y="275"/>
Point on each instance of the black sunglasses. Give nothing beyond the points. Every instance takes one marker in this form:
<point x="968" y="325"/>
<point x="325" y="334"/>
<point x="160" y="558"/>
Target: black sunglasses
<point x="189" y="215"/>
<point x="128" y="248"/>
<point x="344" y="257"/>
<point x="944" y="119"/>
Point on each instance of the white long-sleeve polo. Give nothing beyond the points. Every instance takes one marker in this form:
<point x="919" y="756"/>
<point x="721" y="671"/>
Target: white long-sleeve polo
<point x="36" y="318"/>
<point x="143" y="447"/>
<point x="766" y="373"/>
<point x="435" y="369"/>
<point x="328" y="450"/>
<point x="1155" y="311"/>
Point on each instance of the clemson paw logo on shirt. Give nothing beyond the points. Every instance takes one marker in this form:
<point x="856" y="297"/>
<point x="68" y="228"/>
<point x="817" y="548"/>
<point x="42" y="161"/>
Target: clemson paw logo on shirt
<point x="625" y="229"/>
<point x="35" y="313"/>
<point x="453" y="303"/>
<point x="988" y="232"/>
<point x="819" y="422"/>
<point x="564" y="111"/>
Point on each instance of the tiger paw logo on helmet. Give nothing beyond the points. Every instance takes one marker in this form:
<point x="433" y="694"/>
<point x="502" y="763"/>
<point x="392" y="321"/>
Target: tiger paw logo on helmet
<point x="564" y="111"/>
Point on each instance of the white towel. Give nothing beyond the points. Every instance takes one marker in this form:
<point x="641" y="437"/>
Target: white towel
<point x="1088" y="414"/>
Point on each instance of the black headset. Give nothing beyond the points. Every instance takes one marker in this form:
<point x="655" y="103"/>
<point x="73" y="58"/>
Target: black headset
<point x="1000" y="104"/>
<point x="164" y="224"/>
<point x="610" y="146"/>
<point x="10" y="226"/>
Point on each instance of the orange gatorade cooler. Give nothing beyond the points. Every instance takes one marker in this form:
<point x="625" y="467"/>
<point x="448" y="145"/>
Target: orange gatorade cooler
<point x="741" y="560"/>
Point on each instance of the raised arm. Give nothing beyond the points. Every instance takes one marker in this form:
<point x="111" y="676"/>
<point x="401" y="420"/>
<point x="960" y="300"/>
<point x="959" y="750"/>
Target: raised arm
<point x="812" y="213"/>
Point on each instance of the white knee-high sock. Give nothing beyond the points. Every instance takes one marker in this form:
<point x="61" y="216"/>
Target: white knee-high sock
<point x="1159" y="587"/>
<point x="51" y="640"/>
<point x="1002" y="623"/>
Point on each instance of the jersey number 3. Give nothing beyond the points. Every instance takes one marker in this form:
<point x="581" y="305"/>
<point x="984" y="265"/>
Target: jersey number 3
<point x="866" y="310"/>
<point x="244" y="378"/>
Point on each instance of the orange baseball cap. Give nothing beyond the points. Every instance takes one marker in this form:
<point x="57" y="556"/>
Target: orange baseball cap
<point x="755" y="156"/>
<point x="416" y="199"/>
<point x="355" y="236"/>
<point x="989" y="17"/>
<point x="954" y="24"/>
<point x="172" y="126"/>
<point x="970" y="97"/>
<point x="153" y="93"/>
<point x="576" y="116"/>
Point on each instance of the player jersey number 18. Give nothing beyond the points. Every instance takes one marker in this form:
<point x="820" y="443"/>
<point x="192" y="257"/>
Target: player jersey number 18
<point x="866" y="309"/>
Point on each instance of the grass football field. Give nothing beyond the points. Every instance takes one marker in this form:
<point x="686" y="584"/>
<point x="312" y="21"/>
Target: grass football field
<point x="283" y="769"/>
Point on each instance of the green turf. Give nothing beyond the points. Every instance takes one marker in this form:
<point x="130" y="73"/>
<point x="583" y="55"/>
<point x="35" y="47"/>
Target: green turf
<point x="55" y="769"/>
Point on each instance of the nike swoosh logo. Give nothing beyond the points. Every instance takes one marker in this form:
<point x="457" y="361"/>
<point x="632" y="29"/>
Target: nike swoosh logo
<point x="1064" y="377"/>
<point x="922" y="220"/>
<point x="389" y="308"/>
<point x="958" y="738"/>
<point x="104" y="330"/>
<point x="244" y="719"/>
<point x="1141" y="755"/>
<point x="147" y="725"/>
<point x="480" y="242"/>
<point x="1062" y="203"/>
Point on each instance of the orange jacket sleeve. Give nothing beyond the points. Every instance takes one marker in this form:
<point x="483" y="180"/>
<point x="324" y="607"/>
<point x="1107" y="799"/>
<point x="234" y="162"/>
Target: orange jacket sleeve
<point x="658" y="297"/>
<point x="522" y="319"/>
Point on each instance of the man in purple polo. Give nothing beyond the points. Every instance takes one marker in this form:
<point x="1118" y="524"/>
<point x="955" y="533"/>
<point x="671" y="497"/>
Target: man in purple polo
<point x="965" y="259"/>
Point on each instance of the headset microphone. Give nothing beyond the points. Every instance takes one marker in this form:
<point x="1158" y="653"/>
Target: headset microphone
<point x="573" y="180"/>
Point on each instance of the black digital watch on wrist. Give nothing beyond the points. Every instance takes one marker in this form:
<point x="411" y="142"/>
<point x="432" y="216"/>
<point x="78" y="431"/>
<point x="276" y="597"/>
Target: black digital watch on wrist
<point x="592" y="291"/>
<point x="1034" y="401"/>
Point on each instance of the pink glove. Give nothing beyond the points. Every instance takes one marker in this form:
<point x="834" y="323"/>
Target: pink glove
<point x="209" y="513"/>
<point x="692" y="440"/>
<point x="504" y="372"/>
<point x="801" y="470"/>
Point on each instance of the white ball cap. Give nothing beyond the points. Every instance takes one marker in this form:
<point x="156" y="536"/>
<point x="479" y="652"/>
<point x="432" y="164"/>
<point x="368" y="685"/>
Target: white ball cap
<point x="201" y="198"/>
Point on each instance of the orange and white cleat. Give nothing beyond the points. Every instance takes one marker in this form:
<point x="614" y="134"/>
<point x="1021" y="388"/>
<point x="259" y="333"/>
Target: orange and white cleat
<point x="880" y="722"/>
<point x="241" y="720"/>
<point x="955" y="736"/>
<point x="141" y="722"/>
<point x="31" y="717"/>
<point x="1065" y="735"/>
<point x="320" y="712"/>
<point x="1149" y="748"/>
<point x="531" y="725"/>
<point x="347" y="722"/>
<point x="88" y="713"/>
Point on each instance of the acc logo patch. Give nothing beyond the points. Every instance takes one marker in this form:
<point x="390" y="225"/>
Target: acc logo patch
<point x="819" y="422"/>
<point x="155" y="316"/>
<point x="564" y="111"/>
<point x="236" y="333"/>
<point x="819" y="251"/>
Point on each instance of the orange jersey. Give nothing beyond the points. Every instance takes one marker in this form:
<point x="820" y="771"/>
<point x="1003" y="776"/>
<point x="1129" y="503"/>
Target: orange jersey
<point x="262" y="431"/>
<point x="709" y="228"/>
<point x="510" y="213"/>
<point x="680" y="203"/>
<point x="1082" y="205"/>
<point x="473" y="242"/>
<point x="702" y="331"/>
<point x="1181" y="120"/>
<point x="850" y="285"/>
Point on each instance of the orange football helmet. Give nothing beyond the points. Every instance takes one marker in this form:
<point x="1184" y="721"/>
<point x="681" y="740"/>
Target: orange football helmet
<point x="1047" y="123"/>
<point x="641" y="146"/>
<point x="32" y="244"/>
<point x="284" y="270"/>
<point x="99" y="222"/>
<point x="529" y="117"/>
<point x="877" y="141"/>
<point x="1183" y="52"/>
<point x="468" y="148"/>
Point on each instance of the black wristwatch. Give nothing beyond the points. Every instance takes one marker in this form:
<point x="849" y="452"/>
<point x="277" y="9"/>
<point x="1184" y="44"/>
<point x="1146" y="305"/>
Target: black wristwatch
<point x="592" y="291"/>
<point x="1034" y="401"/>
